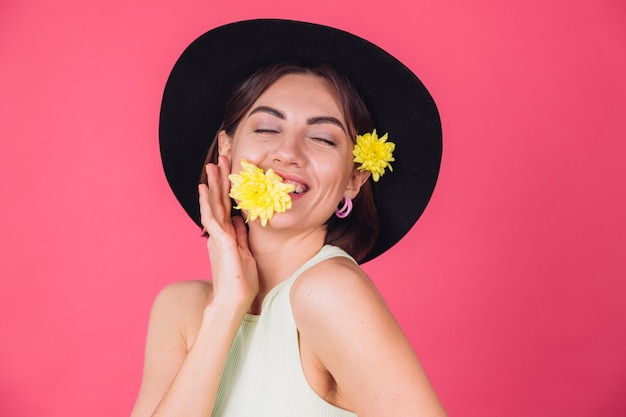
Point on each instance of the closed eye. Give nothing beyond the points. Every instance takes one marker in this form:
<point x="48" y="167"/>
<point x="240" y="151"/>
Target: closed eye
<point x="325" y="141"/>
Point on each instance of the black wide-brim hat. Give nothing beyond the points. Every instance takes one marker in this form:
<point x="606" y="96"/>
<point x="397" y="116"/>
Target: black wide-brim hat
<point x="214" y="64"/>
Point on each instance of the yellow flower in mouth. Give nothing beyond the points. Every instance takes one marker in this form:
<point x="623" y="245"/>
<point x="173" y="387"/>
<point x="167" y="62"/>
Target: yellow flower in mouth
<point x="260" y="194"/>
<point x="373" y="153"/>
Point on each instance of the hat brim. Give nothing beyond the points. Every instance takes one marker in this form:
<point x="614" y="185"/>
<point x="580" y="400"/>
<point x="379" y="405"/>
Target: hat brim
<point x="214" y="64"/>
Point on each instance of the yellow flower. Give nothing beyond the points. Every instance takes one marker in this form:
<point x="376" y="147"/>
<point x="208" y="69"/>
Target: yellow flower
<point x="373" y="154"/>
<point x="260" y="194"/>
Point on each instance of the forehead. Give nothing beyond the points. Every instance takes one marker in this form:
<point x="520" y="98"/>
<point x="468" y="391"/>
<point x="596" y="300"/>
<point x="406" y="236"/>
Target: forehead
<point x="303" y="91"/>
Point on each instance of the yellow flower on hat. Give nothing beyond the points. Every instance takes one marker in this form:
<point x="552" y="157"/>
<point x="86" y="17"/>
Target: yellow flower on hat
<point x="260" y="194"/>
<point x="373" y="153"/>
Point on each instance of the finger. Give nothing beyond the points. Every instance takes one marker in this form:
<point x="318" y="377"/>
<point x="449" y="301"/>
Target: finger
<point x="216" y="201"/>
<point x="241" y="232"/>
<point x="205" y="210"/>
<point x="224" y="168"/>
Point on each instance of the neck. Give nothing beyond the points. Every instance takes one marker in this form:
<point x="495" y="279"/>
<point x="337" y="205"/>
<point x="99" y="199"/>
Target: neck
<point x="279" y="253"/>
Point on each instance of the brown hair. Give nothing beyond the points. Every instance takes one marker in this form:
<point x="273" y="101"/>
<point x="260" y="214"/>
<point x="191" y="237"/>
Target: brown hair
<point x="356" y="233"/>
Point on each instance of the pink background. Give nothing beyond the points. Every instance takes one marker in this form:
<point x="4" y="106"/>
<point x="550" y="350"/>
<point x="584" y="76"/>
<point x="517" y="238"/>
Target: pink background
<point x="510" y="288"/>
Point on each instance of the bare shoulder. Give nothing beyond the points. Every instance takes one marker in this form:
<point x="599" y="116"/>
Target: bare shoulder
<point x="335" y="286"/>
<point x="180" y="306"/>
<point x="336" y="301"/>
<point x="354" y="353"/>
<point x="186" y="294"/>
<point x="175" y="319"/>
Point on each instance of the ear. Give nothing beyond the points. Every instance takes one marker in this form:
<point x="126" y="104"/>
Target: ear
<point x="224" y="144"/>
<point x="357" y="180"/>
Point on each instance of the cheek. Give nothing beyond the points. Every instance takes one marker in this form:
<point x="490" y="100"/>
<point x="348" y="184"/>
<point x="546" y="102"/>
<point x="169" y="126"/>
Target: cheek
<point x="249" y="153"/>
<point x="337" y="175"/>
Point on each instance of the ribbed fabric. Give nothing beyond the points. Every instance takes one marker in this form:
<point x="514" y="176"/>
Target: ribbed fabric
<point x="263" y="375"/>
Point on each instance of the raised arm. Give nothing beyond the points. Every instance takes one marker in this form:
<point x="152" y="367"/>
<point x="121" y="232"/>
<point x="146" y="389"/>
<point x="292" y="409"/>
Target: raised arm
<point x="193" y="325"/>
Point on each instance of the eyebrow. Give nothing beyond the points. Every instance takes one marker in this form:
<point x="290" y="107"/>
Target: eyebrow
<point x="267" y="109"/>
<point x="312" y="121"/>
<point x="327" y="119"/>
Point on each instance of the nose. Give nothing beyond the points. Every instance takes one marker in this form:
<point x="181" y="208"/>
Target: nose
<point x="289" y="151"/>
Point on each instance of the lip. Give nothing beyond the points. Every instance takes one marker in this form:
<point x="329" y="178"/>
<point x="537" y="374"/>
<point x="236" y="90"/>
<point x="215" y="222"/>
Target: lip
<point x="297" y="179"/>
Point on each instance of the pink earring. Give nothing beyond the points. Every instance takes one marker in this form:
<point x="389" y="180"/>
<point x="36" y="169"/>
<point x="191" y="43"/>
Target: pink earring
<point x="345" y="209"/>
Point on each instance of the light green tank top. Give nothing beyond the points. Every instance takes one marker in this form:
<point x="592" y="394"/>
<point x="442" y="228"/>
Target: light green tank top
<point x="263" y="375"/>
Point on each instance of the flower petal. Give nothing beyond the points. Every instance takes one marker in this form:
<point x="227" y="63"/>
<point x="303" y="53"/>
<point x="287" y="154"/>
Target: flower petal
<point x="260" y="194"/>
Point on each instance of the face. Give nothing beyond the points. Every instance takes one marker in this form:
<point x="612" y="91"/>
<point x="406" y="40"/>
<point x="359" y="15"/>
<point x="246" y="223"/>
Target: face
<point x="297" y="128"/>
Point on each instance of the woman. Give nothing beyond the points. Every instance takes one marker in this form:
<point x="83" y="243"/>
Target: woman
<point x="289" y="325"/>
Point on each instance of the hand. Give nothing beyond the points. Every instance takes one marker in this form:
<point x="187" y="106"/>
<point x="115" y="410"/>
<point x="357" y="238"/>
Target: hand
<point x="235" y="277"/>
